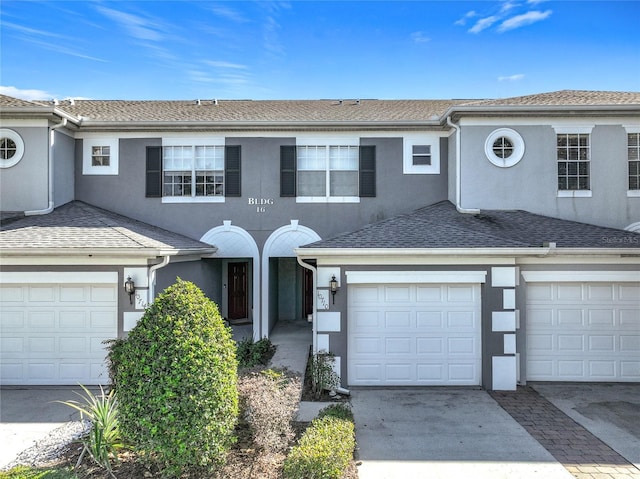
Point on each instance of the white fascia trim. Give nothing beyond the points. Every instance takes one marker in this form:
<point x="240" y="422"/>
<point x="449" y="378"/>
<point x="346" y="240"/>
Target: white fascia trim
<point x="72" y="277"/>
<point x="111" y="252"/>
<point x="401" y="277"/>
<point x="324" y="140"/>
<point x="580" y="276"/>
<point x="311" y="253"/>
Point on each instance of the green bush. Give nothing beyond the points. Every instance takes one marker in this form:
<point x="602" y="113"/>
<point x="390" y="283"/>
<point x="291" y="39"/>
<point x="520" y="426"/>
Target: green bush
<point x="176" y="379"/>
<point x="324" y="450"/>
<point x="252" y="353"/>
<point x="338" y="410"/>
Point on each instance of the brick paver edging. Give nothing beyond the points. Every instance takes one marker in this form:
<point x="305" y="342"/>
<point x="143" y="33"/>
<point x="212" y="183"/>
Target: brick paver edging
<point x="580" y="452"/>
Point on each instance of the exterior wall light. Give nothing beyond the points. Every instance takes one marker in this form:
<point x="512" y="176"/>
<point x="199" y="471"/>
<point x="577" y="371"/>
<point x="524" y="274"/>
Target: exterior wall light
<point x="333" y="287"/>
<point x="130" y="288"/>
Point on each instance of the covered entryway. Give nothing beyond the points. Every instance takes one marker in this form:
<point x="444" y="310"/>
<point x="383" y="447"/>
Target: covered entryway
<point x="414" y="334"/>
<point x="53" y="333"/>
<point x="583" y="331"/>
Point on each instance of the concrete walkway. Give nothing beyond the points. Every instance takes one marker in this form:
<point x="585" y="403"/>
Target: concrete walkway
<point x="444" y="433"/>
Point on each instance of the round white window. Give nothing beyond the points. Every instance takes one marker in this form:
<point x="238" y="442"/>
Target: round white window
<point x="11" y="148"/>
<point x="504" y="147"/>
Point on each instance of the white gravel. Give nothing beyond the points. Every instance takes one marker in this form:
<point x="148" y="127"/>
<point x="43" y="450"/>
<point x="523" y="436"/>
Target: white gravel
<point x="52" y="446"/>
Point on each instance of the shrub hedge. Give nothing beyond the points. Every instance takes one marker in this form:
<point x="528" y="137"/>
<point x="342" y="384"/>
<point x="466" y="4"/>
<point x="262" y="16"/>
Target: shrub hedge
<point x="176" y="380"/>
<point x="325" y="449"/>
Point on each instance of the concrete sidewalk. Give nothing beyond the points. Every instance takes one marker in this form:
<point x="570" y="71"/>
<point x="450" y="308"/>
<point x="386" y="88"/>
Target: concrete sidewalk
<point x="27" y="415"/>
<point x="444" y="433"/>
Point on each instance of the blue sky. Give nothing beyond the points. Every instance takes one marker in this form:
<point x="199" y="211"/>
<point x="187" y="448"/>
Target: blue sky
<point x="316" y="49"/>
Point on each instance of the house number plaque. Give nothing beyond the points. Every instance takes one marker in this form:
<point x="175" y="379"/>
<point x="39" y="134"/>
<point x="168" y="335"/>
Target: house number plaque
<point x="261" y="204"/>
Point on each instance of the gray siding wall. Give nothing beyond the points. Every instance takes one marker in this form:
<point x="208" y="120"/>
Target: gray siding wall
<point x="531" y="184"/>
<point x="125" y="193"/>
<point x="63" y="169"/>
<point x="25" y="186"/>
<point x="205" y="274"/>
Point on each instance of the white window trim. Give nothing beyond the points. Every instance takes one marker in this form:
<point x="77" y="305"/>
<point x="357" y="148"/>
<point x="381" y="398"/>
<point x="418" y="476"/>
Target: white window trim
<point x="631" y="129"/>
<point x="518" y="147"/>
<point x="406" y="277"/>
<point x="408" y="168"/>
<point x="326" y="142"/>
<point x="87" y="147"/>
<point x="580" y="276"/>
<point x="193" y="142"/>
<point x="575" y="193"/>
<point x="17" y="139"/>
<point x="577" y="130"/>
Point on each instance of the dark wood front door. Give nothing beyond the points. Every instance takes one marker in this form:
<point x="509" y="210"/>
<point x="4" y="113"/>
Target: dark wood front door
<point x="238" y="293"/>
<point x="308" y="292"/>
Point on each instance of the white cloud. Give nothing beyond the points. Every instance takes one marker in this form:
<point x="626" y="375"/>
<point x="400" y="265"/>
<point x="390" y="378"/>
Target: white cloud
<point x="508" y="5"/>
<point x="138" y="27"/>
<point x="467" y="16"/>
<point x="516" y="77"/>
<point x="25" y="94"/>
<point x="483" y="24"/>
<point x="524" y="19"/>
<point x="419" y="37"/>
<point x="221" y="64"/>
<point x="229" y="14"/>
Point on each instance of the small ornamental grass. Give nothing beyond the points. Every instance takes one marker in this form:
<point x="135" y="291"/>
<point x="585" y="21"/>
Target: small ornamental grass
<point x="27" y="472"/>
<point x="269" y="400"/>
<point x="325" y="450"/>
<point x="251" y="354"/>
<point x="103" y="441"/>
<point x="176" y="378"/>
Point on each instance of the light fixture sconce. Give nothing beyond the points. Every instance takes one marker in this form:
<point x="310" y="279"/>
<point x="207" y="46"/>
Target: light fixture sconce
<point x="130" y="288"/>
<point x="333" y="287"/>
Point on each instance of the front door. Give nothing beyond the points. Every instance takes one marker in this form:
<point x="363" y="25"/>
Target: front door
<point x="238" y="293"/>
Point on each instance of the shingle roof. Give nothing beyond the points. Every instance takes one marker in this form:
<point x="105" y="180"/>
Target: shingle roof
<point x="9" y="101"/>
<point x="568" y="98"/>
<point x="442" y="226"/>
<point x="78" y="225"/>
<point x="259" y="111"/>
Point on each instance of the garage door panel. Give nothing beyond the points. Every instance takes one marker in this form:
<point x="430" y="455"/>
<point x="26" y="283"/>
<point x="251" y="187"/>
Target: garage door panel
<point x="365" y="295"/>
<point x="397" y="319"/>
<point x="588" y="340"/>
<point x="103" y="293"/>
<point x="425" y="342"/>
<point x="629" y="292"/>
<point x="57" y="335"/>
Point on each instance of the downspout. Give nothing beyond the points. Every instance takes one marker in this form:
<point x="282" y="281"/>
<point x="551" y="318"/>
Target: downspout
<point x="459" y="207"/>
<point x="152" y="276"/>
<point x="49" y="209"/>
<point x="314" y="272"/>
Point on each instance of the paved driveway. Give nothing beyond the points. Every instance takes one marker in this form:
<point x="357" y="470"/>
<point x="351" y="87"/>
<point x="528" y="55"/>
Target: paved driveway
<point x="415" y="433"/>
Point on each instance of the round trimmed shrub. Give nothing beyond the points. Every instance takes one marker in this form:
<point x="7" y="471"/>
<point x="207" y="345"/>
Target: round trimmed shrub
<point x="176" y="380"/>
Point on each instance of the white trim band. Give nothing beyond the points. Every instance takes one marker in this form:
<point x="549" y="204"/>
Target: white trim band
<point x="49" y="277"/>
<point x="580" y="276"/>
<point x="405" y="277"/>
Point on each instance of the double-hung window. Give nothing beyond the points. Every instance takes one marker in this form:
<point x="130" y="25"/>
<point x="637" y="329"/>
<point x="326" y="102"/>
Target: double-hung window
<point x="573" y="153"/>
<point x="633" y="157"/>
<point x="193" y="171"/>
<point x="100" y="156"/>
<point x="327" y="172"/>
<point x="198" y="171"/>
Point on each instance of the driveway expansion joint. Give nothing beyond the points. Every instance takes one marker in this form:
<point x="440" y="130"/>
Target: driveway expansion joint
<point x="580" y="452"/>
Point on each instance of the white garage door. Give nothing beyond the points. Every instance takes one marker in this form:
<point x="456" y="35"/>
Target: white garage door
<point x="414" y="334"/>
<point x="53" y="333"/>
<point x="583" y="332"/>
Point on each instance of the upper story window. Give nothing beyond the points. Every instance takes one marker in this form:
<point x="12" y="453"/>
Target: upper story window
<point x="186" y="173"/>
<point x="504" y="147"/>
<point x="191" y="171"/>
<point x="100" y="156"/>
<point x="633" y="157"/>
<point x="327" y="173"/>
<point x="421" y="154"/>
<point x="11" y="148"/>
<point x="573" y="155"/>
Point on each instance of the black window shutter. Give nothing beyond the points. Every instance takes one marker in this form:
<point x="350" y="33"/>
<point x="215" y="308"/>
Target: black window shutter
<point x="287" y="170"/>
<point x="232" y="171"/>
<point x="367" y="171"/>
<point x="154" y="172"/>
